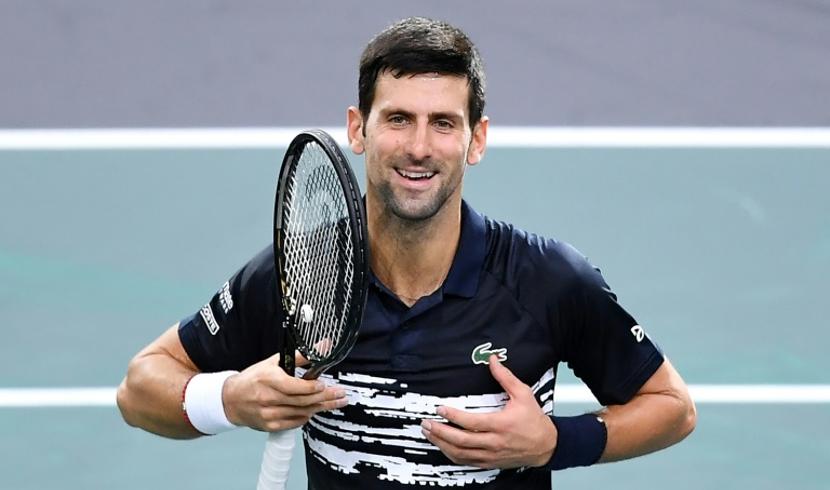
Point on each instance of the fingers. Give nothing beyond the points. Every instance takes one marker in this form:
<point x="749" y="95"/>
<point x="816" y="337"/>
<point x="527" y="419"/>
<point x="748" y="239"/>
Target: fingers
<point x="275" y="411"/>
<point x="273" y="376"/>
<point x="516" y="435"/>
<point x="298" y="392"/>
<point x="275" y="387"/>
<point x="461" y="446"/>
<point x="331" y="396"/>
<point x="511" y="384"/>
<point x="478" y="422"/>
<point x="449" y="435"/>
<point x="266" y="398"/>
<point x="472" y="444"/>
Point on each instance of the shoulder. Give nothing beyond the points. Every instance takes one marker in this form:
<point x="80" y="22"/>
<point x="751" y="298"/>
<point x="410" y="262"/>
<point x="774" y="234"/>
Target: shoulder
<point x="231" y="331"/>
<point x="261" y="269"/>
<point x="255" y="284"/>
<point x="516" y="256"/>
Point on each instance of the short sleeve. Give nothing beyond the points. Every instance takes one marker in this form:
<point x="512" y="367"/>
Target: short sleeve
<point x="603" y="344"/>
<point x="239" y="325"/>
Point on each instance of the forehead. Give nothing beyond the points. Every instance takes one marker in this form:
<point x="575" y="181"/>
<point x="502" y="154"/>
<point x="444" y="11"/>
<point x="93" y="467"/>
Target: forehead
<point x="422" y="92"/>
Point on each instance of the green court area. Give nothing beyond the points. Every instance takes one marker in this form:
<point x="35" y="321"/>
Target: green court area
<point x="723" y="256"/>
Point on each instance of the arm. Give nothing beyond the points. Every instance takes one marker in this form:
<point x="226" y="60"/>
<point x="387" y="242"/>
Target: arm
<point x="659" y="415"/>
<point x="262" y="396"/>
<point x="150" y="396"/>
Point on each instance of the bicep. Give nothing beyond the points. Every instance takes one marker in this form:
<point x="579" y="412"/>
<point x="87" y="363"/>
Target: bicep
<point x="168" y="344"/>
<point x="660" y="414"/>
<point x="665" y="381"/>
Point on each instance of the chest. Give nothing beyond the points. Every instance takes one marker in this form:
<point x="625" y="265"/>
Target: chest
<point x="442" y="349"/>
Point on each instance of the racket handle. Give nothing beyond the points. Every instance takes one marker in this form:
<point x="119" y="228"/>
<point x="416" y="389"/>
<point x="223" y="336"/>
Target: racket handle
<point x="276" y="459"/>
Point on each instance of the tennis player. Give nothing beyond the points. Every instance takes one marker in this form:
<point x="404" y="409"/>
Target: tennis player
<point x="452" y="379"/>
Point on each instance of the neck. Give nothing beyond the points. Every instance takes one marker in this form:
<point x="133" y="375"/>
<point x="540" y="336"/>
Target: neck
<point x="413" y="258"/>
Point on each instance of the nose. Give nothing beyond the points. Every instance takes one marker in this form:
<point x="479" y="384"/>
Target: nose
<point x="418" y="146"/>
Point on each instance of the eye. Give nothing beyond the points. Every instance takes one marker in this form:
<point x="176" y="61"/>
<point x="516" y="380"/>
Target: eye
<point x="397" y="119"/>
<point x="443" y="124"/>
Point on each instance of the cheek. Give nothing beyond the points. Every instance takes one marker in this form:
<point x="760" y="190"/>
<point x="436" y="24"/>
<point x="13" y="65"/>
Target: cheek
<point x="375" y="158"/>
<point x="383" y="149"/>
<point x="455" y="153"/>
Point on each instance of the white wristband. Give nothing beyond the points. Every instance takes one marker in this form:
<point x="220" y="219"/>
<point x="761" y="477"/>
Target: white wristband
<point x="203" y="402"/>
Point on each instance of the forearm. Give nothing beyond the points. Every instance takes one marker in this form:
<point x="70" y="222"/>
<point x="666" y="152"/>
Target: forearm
<point x="651" y="421"/>
<point x="150" y="396"/>
<point x="262" y="396"/>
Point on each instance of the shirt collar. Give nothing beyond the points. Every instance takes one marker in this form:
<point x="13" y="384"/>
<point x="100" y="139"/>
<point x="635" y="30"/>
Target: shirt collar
<point x="469" y="256"/>
<point x="462" y="280"/>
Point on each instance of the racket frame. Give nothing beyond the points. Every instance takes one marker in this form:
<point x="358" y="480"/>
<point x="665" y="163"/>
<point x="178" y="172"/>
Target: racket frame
<point x="360" y="278"/>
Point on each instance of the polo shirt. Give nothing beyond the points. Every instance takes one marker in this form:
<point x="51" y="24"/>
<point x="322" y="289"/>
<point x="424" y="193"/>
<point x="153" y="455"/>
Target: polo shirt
<point x="534" y="302"/>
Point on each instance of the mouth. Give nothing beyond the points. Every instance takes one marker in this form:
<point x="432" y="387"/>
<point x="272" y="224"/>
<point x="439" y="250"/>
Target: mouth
<point x="413" y="175"/>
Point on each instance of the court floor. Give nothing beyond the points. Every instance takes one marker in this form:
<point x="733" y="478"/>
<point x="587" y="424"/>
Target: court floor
<point x="723" y="254"/>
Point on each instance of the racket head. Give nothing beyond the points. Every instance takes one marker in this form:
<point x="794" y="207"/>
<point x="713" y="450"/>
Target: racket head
<point x="320" y="250"/>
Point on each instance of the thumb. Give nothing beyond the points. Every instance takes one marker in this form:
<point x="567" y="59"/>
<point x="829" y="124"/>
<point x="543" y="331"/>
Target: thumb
<point x="320" y="349"/>
<point x="300" y="360"/>
<point x="274" y="359"/>
<point x="511" y="384"/>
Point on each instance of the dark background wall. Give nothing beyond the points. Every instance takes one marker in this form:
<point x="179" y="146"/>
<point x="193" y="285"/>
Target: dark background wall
<point x="118" y="63"/>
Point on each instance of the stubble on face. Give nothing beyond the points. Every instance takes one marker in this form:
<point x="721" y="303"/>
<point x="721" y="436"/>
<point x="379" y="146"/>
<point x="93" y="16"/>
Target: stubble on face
<point x="390" y="151"/>
<point x="421" y="208"/>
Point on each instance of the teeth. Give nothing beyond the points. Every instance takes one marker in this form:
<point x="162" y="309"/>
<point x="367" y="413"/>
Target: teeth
<point x="416" y="175"/>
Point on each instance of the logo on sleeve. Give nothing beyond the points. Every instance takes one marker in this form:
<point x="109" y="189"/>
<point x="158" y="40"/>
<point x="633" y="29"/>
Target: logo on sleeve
<point x="481" y="354"/>
<point x="638" y="333"/>
<point x="225" y="298"/>
<point x="207" y="315"/>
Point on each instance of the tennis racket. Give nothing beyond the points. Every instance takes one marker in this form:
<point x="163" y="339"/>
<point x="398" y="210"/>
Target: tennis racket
<point x="321" y="255"/>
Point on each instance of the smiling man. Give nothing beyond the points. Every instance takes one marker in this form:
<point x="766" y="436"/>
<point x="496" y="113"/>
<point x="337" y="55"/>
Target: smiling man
<point x="451" y="380"/>
<point x="418" y="140"/>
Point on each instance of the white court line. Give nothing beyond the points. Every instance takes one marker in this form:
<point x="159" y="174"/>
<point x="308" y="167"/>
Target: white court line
<point x="498" y="136"/>
<point x="723" y="393"/>
<point x="569" y="393"/>
<point x="57" y="397"/>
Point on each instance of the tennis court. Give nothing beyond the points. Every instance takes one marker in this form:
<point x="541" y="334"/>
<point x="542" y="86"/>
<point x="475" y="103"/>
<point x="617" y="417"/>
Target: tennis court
<point x="722" y="253"/>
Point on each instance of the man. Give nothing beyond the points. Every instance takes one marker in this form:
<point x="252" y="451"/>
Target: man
<point x="451" y="380"/>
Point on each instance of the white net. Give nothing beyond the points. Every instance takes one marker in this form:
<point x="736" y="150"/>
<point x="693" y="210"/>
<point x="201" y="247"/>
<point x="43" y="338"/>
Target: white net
<point x="318" y="250"/>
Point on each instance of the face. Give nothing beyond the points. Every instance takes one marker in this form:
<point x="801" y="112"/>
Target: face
<point x="417" y="143"/>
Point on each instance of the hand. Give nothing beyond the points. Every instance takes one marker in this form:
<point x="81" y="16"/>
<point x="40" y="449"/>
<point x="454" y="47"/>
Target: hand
<point x="265" y="398"/>
<point x="520" y="434"/>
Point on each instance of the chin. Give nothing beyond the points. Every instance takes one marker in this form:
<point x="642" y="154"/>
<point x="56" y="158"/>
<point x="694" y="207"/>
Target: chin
<point x="415" y="213"/>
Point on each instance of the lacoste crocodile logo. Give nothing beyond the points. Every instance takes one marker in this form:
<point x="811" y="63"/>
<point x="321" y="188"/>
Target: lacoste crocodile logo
<point x="481" y="354"/>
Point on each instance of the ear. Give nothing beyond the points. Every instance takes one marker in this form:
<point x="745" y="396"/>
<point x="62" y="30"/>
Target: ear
<point x="478" y="142"/>
<point x="354" y="128"/>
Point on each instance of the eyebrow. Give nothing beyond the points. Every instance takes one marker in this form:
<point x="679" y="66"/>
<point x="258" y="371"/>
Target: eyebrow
<point x="431" y="116"/>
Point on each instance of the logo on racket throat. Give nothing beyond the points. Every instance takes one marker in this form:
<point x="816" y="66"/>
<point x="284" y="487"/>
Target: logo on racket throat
<point x="481" y="353"/>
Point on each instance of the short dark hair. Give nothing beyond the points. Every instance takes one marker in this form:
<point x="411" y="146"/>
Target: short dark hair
<point x="419" y="45"/>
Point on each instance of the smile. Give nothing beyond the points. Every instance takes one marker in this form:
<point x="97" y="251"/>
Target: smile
<point x="414" y="175"/>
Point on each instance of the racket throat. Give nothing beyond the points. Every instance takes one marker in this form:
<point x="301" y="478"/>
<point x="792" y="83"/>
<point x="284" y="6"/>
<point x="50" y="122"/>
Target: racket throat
<point x="315" y="371"/>
<point x="287" y="360"/>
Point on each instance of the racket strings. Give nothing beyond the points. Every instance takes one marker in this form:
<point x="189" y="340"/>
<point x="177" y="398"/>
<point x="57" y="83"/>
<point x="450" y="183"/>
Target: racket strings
<point x="318" y="249"/>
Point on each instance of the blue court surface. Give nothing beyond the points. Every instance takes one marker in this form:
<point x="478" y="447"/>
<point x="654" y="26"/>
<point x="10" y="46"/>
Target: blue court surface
<point x="723" y="255"/>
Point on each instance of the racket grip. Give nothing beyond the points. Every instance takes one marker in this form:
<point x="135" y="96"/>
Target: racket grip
<point x="276" y="459"/>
